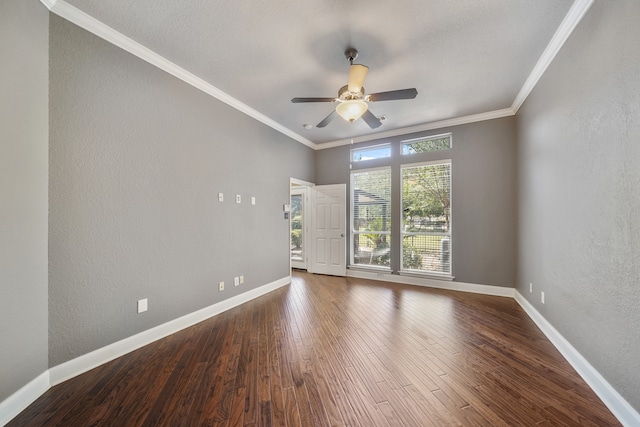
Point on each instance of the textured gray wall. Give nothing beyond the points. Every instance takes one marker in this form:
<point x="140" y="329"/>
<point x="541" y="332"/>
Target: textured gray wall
<point x="484" y="214"/>
<point x="137" y="161"/>
<point x="24" y="27"/>
<point x="579" y="162"/>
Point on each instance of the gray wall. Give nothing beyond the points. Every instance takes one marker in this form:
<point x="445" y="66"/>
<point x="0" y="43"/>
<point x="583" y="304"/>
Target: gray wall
<point x="137" y="161"/>
<point x="579" y="193"/>
<point x="484" y="215"/>
<point x="23" y="192"/>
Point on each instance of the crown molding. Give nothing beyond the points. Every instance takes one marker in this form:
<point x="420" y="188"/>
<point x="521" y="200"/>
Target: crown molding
<point x="83" y="20"/>
<point x="576" y="12"/>
<point x="456" y="121"/>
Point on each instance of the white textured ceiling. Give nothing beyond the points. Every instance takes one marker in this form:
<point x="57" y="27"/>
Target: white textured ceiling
<point x="464" y="57"/>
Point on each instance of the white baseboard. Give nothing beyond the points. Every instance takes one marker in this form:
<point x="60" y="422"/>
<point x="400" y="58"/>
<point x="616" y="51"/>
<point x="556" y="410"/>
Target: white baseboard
<point x="499" y="291"/>
<point x="617" y="404"/>
<point x="18" y="401"/>
<point x="105" y="354"/>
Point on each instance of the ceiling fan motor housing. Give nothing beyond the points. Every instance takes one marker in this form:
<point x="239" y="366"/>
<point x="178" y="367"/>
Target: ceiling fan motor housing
<point x="344" y="94"/>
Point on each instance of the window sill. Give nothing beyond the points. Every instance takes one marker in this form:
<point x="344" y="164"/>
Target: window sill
<point x="427" y="275"/>
<point x="375" y="268"/>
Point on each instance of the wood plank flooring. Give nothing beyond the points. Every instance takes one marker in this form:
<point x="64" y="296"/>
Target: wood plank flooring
<point x="328" y="351"/>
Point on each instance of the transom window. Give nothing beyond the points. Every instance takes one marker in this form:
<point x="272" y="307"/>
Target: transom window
<point x="424" y="145"/>
<point x="371" y="153"/>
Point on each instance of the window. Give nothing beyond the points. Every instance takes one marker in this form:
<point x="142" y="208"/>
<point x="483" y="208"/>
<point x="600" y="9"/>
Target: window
<point x="371" y="217"/>
<point x="371" y="153"/>
<point x="423" y="145"/>
<point x="426" y="217"/>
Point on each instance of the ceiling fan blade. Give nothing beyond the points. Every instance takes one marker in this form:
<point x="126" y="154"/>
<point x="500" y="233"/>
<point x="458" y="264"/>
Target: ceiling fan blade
<point x="371" y="119"/>
<point x="327" y="119"/>
<point x="393" y="95"/>
<point x="357" y="74"/>
<point x="297" y="100"/>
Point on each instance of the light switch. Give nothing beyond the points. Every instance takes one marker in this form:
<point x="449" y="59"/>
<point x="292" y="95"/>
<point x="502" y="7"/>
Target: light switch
<point x="253" y="200"/>
<point x="221" y="197"/>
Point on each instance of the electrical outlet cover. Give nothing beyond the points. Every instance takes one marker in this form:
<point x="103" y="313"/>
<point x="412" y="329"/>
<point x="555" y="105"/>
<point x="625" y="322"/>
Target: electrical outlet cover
<point x="221" y="286"/>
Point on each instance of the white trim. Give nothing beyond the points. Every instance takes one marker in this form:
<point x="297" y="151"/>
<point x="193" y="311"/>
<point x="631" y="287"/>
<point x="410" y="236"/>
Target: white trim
<point x="105" y="354"/>
<point x="83" y="20"/>
<point x="456" y="121"/>
<point x="569" y="23"/>
<point x="498" y="291"/>
<point x="620" y="408"/>
<point x="18" y="401"/>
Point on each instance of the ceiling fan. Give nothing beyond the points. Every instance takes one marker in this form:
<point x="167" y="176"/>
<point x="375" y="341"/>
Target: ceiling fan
<point x="352" y="101"/>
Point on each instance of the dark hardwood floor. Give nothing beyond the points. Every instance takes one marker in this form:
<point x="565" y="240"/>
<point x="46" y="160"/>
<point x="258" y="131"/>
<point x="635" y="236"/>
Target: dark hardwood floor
<point x="337" y="351"/>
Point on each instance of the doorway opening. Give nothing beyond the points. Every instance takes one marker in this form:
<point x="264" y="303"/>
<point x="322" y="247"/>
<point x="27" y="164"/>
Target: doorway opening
<point x="299" y="223"/>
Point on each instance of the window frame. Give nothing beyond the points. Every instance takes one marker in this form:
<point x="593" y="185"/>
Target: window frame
<point x="416" y="272"/>
<point x="352" y="231"/>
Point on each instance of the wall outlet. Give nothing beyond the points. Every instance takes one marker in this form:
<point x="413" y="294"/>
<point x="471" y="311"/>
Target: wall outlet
<point x="542" y="297"/>
<point x="221" y="286"/>
<point x="253" y="200"/>
<point x="236" y="281"/>
<point x="530" y="287"/>
<point x="241" y="280"/>
<point x="238" y="198"/>
<point x="142" y="305"/>
<point x="221" y="197"/>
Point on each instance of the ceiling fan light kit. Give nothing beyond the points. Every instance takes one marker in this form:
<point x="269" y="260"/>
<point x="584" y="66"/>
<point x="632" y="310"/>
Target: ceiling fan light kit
<point x="352" y="109"/>
<point x="352" y="101"/>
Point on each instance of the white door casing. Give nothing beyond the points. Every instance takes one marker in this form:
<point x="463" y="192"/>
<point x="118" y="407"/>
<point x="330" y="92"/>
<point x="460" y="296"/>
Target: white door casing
<point x="329" y="229"/>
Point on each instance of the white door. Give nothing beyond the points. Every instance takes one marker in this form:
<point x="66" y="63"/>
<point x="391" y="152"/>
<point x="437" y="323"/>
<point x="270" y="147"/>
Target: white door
<point x="329" y="229"/>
